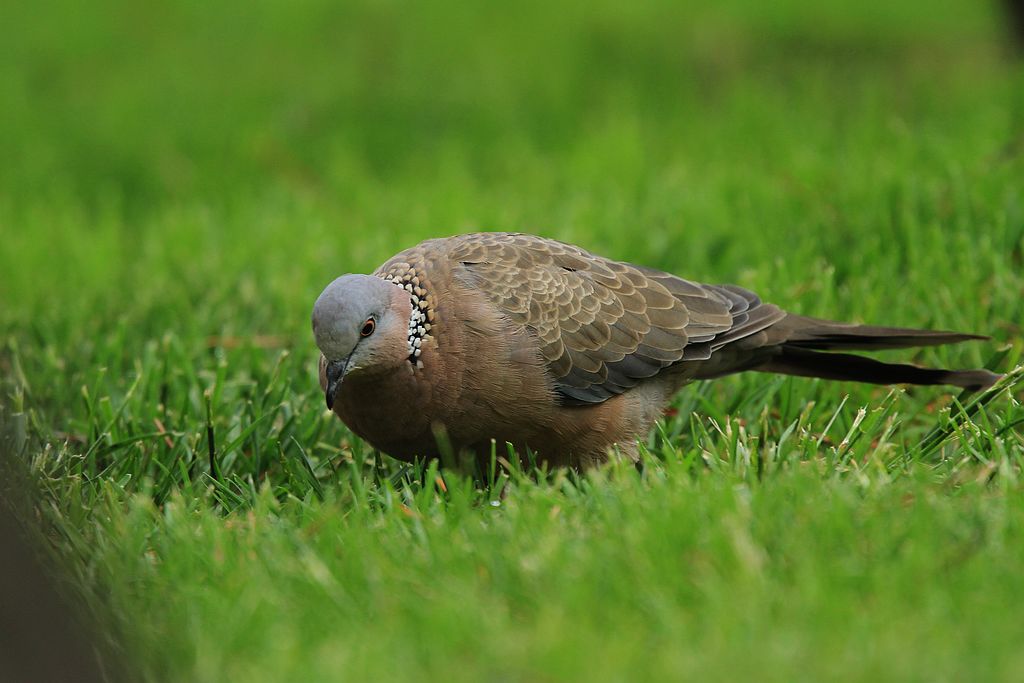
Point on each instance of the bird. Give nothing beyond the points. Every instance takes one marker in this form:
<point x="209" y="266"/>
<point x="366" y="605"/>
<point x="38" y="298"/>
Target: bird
<point x="467" y="343"/>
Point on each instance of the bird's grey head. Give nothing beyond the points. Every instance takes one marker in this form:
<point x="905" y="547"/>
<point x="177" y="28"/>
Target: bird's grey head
<point x="358" y="329"/>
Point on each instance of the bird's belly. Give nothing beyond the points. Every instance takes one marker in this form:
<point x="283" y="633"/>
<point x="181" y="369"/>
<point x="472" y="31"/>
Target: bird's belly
<point x="404" y="426"/>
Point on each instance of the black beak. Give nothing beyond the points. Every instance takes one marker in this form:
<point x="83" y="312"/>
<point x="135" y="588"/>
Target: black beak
<point x="335" y="373"/>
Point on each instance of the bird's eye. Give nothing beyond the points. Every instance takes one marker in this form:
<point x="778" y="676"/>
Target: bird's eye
<point x="368" y="327"/>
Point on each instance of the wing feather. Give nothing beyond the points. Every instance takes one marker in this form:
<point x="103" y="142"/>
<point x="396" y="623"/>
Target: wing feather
<point x="603" y="326"/>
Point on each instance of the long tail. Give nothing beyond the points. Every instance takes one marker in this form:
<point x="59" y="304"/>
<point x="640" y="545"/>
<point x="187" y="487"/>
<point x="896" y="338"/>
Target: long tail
<point x="801" y="346"/>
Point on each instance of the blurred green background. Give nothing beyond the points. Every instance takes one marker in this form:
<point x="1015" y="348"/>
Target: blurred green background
<point x="142" y="105"/>
<point x="178" y="181"/>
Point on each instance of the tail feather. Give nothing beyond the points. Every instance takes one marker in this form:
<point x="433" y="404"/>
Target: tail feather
<point x="803" y="346"/>
<point x="848" y="367"/>
<point x="825" y="335"/>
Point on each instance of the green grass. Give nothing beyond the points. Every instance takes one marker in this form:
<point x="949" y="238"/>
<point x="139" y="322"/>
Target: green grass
<point x="178" y="183"/>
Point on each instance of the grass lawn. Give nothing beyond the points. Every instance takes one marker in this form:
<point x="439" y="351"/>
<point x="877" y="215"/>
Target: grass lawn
<point x="178" y="182"/>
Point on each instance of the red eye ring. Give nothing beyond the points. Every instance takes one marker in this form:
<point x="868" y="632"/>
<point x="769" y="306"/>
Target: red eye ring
<point x="368" y="327"/>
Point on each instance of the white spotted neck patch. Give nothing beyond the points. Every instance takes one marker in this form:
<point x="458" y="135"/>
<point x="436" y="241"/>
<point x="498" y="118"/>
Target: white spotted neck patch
<point x="422" y="317"/>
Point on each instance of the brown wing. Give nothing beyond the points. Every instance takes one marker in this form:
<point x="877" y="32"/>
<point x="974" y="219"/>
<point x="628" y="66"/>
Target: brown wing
<point x="603" y="326"/>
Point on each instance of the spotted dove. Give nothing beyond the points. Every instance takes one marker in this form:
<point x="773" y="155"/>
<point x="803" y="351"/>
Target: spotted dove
<point x="495" y="338"/>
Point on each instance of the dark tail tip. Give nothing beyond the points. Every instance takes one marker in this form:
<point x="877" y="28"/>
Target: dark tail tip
<point x="974" y="380"/>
